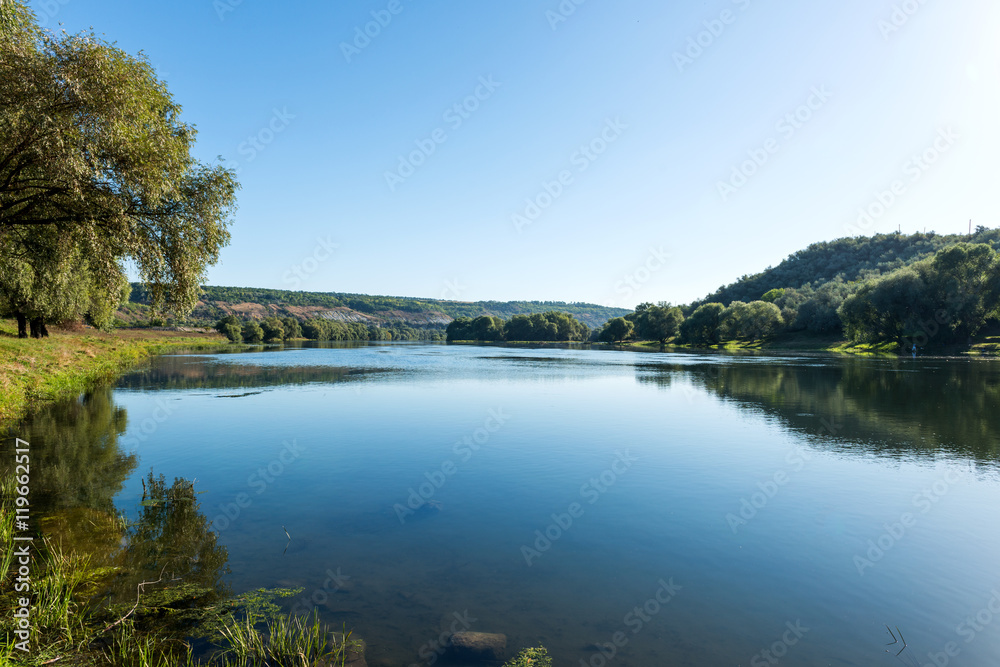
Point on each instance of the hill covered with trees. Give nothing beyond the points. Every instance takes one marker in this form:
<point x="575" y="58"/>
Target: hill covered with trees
<point x="432" y="315"/>
<point x="847" y="259"/>
<point x="903" y="290"/>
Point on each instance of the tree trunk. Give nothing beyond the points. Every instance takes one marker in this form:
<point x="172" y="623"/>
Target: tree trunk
<point x="38" y="329"/>
<point x="22" y="325"/>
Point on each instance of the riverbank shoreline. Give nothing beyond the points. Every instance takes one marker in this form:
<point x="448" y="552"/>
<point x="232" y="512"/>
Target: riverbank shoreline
<point x="70" y="361"/>
<point x="988" y="347"/>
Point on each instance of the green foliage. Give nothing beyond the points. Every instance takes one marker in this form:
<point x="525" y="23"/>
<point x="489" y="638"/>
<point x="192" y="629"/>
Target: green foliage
<point x="17" y="21"/>
<point x="96" y="171"/>
<point x="944" y="299"/>
<point x="54" y="282"/>
<point x="323" y="329"/>
<point x="819" y="312"/>
<point x="773" y="295"/>
<point x="749" y="321"/>
<point x="660" y="322"/>
<point x="233" y="332"/>
<point x="882" y="289"/>
<point x="531" y="328"/>
<point x="852" y="259"/>
<point x="291" y="327"/>
<point x="616" y="330"/>
<point x="531" y="657"/>
<point x="702" y="326"/>
<point x="487" y="327"/>
<point x="253" y="333"/>
<point x="540" y="327"/>
<point x="230" y="327"/>
<point x="484" y="328"/>
<point x="273" y="330"/>
<point x="549" y="326"/>
<point x="422" y="313"/>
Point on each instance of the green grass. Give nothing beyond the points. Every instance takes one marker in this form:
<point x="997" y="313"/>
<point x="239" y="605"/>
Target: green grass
<point x="866" y="348"/>
<point x="68" y="629"/>
<point x="531" y="657"/>
<point x="287" y="641"/>
<point x="67" y="363"/>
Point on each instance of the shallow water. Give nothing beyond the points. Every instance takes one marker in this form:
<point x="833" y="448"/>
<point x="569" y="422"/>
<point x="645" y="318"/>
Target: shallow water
<point x="706" y="508"/>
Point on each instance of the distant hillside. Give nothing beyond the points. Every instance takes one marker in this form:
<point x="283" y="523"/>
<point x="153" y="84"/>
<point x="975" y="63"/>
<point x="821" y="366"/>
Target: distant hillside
<point x="254" y="303"/>
<point x="846" y="260"/>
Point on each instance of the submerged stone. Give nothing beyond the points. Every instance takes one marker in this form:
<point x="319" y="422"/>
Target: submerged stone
<point x="481" y="646"/>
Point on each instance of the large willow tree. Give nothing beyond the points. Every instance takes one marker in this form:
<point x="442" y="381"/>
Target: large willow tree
<point x="95" y="172"/>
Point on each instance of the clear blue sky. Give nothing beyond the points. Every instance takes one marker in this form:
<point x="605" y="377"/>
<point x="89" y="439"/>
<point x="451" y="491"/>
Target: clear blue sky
<point x="331" y="121"/>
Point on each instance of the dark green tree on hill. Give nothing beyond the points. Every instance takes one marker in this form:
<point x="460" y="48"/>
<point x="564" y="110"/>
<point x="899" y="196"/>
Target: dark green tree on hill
<point x="749" y="321"/>
<point x="292" y="328"/>
<point x="657" y="322"/>
<point x="231" y="327"/>
<point x="616" y="331"/>
<point x="702" y="326"/>
<point x="942" y="300"/>
<point x="274" y="330"/>
<point x="252" y="332"/>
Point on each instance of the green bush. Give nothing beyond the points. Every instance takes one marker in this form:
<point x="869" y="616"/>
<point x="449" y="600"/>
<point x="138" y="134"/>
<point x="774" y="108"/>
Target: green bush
<point x="233" y="332"/>
<point x="252" y="333"/>
<point x="531" y="657"/>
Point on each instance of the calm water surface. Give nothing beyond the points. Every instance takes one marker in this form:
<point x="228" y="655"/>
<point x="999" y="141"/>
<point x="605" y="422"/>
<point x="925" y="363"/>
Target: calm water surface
<point x="708" y="508"/>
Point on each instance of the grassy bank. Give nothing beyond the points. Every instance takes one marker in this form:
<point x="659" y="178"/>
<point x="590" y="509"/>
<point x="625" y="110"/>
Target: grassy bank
<point x="68" y="362"/>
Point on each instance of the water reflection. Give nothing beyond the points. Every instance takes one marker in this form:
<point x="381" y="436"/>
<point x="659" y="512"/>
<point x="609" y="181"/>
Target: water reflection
<point x="862" y="406"/>
<point x="76" y="457"/>
<point x="210" y="372"/>
<point x="78" y="467"/>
